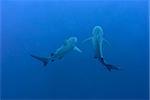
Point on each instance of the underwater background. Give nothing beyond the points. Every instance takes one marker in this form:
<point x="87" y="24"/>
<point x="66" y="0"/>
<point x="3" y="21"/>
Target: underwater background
<point x="40" y="27"/>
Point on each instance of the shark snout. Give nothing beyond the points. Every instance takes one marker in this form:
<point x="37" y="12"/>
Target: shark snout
<point x="73" y="39"/>
<point x="97" y="30"/>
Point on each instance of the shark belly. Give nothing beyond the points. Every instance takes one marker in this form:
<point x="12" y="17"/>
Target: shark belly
<point x="68" y="45"/>
<point x="62" y="51"/>
<point x="96" y="46"/>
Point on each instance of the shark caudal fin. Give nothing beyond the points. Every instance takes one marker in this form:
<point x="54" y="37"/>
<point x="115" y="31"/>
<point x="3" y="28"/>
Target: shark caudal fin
<point x="111" y="67"/>
<point x="108" y="66"/>
<point x="44" y="60"/>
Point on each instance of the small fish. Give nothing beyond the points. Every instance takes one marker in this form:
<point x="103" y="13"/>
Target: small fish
<point x="68" y="45"/>
<point x="97" y="41"/>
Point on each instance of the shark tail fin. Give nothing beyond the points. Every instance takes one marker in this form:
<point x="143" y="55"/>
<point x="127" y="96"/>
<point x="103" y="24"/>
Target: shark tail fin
<point x="110" y="67"/>
<point x="44" y="60"/>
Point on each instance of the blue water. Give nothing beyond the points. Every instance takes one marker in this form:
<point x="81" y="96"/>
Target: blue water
<point x="40" y="27"/>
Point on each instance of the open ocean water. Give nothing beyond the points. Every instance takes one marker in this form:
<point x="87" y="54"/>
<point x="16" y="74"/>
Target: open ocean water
<point x="41" y="26"/>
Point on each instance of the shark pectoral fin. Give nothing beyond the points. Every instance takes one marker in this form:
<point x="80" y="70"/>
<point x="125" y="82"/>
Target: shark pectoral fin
<point x="77" y="49"/>
<point x="106" y="41"/>
<point x="90" y="38"/>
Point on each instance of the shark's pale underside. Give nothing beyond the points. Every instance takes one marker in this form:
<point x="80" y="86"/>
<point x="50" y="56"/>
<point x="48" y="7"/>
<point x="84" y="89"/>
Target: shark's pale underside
<point x="97" y="41"/>
<point x="68" y="45"/>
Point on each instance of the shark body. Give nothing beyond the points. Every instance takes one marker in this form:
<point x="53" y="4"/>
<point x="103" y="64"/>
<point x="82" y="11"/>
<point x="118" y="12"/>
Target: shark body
<point x="97" y="41"/>
<point x="68" y="46"/>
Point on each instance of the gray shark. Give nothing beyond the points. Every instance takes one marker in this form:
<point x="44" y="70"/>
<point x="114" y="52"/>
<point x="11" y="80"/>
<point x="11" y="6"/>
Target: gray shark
<point x="97" y="41"/>
<point x="68" y="46"/>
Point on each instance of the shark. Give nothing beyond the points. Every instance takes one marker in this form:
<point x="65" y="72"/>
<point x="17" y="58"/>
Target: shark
<point x="68" y="46"/>
<point x="97" y="41"/>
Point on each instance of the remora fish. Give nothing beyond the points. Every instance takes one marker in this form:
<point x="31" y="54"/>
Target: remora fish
<point x="68" y="45"/>
<point x="97" y="41"/>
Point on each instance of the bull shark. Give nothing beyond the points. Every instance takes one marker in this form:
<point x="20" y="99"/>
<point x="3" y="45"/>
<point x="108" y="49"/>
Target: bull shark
<point x="68" y="45"/>
<point x="97" y="41"/>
